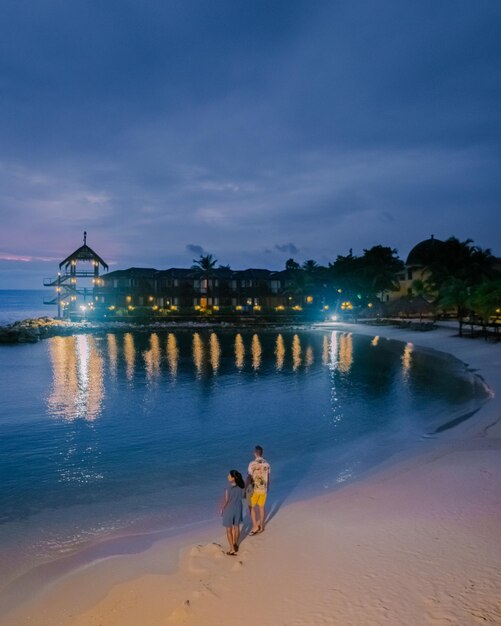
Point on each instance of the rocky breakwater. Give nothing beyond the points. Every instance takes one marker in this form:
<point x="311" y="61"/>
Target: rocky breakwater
<point x="32" y="330"/>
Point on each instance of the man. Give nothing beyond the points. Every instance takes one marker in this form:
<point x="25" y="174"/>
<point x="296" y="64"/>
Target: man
<point x="259" y="477"/>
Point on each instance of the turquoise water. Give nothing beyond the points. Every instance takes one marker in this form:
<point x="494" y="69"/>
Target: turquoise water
<point x="113" y="433"/>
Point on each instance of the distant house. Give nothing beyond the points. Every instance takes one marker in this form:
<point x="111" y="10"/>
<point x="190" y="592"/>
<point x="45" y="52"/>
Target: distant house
<point x="415" y="266"/>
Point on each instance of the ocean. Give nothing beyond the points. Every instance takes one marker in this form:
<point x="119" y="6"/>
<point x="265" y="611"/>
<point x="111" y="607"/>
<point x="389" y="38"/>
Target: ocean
<point x="19" y="304"/>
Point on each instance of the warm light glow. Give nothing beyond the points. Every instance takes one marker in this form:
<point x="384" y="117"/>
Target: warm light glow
<point x="375" y="341"/>
<point x="370" y="305"/>
<point x="215" y="307"/>
<point x="238" y="307"/>
<point x="197" y="307"/>
<point x="112" y="307"/>
<point x="280" y="307"/>
<point x="340" y="291"/>
<point x="296" y="352"/>
<point x="280" y="352"/>
<point x="309" y="299"/>
<point x="297" y="308"/>
<point x="152" y="358"/>
<point x="198" y="352"/>
<point x="112" y="354"/>
<point x="173" y="307"/>
<point x="172" y="354"/>
<point x="308" y="357"/>
<point x="325" y="350"/>
<point x="77" y="384"/>
<point x="130" y="307"/>
<point x="407" y="358"/>
<point x="128" y="298"/>
<point x="257" y="307"/>
<point x="130" y="355"/>
<point x="215" y="352"/>
<point x="326" y="307"/>
<point x="256" y="352"/>
<point x="239" y="351"/>
<point x="151" y="298"/>
<point x="154" y="307"/>
<point x="346" y="306"/>
<point x="345" y="352"/>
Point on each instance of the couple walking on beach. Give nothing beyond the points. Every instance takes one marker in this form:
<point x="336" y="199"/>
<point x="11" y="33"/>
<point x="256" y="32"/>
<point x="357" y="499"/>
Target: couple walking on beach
<point x="254" y="489"/>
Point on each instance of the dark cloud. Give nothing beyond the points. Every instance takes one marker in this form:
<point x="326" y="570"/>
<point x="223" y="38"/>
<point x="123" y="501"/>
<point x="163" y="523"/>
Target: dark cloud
<point x="287" y="248"/>
<point x="193" y="248"/>
<point x="332" y="125"/>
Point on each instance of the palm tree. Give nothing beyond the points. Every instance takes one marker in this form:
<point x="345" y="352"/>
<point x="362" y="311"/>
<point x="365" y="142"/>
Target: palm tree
<point x="205" y="266"/>
<point x="486" y="299"/>
<point x="455" y="293"/>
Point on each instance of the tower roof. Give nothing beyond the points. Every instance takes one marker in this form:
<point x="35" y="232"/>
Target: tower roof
<point x="84" y="253"/>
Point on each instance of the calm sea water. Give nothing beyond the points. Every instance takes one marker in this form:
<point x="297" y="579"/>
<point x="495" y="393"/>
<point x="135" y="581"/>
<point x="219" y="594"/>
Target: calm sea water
<point x="113" y="433"/>
<point x="20" y="304"/>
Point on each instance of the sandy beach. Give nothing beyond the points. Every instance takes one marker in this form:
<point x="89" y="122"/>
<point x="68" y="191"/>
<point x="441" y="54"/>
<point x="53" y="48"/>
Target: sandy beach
<point x="416" y="542"/>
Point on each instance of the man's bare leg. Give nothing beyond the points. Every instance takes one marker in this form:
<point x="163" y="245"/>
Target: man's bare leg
<point x="261" y="517"/>
<point x="255" y="523"/>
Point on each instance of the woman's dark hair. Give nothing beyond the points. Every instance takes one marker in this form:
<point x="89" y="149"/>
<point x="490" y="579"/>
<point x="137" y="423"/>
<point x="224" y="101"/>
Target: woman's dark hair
<point x="239" y="481"/>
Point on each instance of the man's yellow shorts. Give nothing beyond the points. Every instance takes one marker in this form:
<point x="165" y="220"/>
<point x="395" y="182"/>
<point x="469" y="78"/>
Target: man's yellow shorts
<point x="258" y="499"/>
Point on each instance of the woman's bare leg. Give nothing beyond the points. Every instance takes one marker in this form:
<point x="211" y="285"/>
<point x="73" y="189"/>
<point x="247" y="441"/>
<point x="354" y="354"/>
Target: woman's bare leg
<point x="229" y="536"/>
<point x="236" y="537"/>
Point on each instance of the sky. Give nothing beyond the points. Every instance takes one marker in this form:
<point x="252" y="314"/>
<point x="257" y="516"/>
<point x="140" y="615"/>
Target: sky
<point x="255" y="131"/>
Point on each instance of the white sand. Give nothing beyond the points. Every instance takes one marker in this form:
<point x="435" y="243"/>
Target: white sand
<point x="416" y="543"/>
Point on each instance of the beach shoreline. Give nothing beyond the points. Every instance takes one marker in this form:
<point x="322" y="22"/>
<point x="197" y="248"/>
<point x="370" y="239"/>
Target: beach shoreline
<point x="319" y="539"/>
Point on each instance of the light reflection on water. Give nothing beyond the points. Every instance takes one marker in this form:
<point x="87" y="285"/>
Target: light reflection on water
<point x="239" y="351"/>
<point x="77" y="382"/>
<point x="256" y="351"/>
<point x="78" y="389"/>
<point x="280" y="352"/>
<point x="130" y="355"/>
<point x="172" y="354"/>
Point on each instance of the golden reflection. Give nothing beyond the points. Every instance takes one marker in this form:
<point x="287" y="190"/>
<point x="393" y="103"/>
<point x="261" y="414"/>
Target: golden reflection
<point x="280" y="352"/>
<point x="152" y="358"/>
<point x="198" y="352"/>
<point x="239" y="351"/>
<point x="375" y="341"/>
<point x="112" y="353"/>
<point x="92" y="395"/>
<point x="215" y="352"/>
<point x="325" y="351"/>
<point x="308" y="359"/>
<point x="172" y="354"/>
<point x="257" y="352"/>
<point x="345" y="352"/>
<point x="407" y="357"/>
<point x="63" y="395"/>
<point x="77" y="378"/>
<point x="296" y="353"/>
<point x="334" y="350"/>
<point x="130" y="355"/>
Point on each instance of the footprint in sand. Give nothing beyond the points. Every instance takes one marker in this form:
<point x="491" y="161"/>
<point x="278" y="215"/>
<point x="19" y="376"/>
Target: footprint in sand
<point x="204" y="558"/>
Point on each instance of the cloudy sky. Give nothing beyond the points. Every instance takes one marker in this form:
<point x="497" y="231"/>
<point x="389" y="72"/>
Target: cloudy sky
<point x="254" y="130"/>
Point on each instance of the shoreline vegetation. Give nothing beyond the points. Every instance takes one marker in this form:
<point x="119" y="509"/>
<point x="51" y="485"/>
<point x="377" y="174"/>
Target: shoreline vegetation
<point x="415" y="542"/>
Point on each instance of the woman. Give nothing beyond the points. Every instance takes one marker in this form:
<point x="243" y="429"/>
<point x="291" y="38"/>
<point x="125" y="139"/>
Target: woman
<point x="232" y="509"/>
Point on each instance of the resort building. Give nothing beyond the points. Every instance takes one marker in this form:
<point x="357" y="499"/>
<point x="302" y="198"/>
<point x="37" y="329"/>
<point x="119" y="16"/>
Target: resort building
<point x="179" y="288"/>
